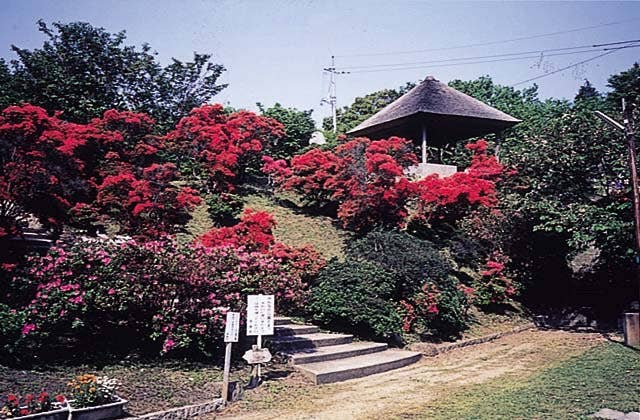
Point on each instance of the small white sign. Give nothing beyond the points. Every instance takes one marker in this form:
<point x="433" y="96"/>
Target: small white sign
<point x="260" y="311"/>
<point x="256" y="356"/>
<point x="232" y="327"/>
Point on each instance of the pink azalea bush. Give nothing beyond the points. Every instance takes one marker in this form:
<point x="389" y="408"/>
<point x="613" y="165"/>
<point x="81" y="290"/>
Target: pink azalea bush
<point x="156" y="295"/>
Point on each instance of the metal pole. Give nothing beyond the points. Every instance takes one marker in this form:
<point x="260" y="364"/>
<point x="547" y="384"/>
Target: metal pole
<point x="631" y="145"/>
<point x="333" y="97"/>
<point x="424" y="143"/>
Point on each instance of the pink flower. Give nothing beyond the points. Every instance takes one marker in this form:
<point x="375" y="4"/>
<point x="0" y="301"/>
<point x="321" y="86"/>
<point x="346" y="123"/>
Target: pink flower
<point x="168" y="345"/>
<point x="76" y="300"/>
<point x="27" y="328"/>
<point x="111" y="291"/>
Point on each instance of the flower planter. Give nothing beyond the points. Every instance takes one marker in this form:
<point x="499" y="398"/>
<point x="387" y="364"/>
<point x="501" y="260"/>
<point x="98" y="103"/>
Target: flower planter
<point x="106" y="411"/>
<point x="57" y="414"/>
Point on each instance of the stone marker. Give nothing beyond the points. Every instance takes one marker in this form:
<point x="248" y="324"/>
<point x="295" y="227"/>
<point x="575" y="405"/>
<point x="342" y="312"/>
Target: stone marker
<point x="632" y="329"/>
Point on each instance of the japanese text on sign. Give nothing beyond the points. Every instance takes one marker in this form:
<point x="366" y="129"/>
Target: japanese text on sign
<point x="232" y="327"/>
<point x="260" y="314"/>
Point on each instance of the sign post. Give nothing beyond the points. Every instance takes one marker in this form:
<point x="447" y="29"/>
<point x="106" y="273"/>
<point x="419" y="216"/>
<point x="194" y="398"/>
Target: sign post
<point x="231" y="330"/>
<point x="260" y="312"/>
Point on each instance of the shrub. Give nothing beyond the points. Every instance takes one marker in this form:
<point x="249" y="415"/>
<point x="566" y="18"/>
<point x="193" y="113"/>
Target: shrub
<point x="153" y="296"/>
<point x="425" y="286"/>
<point x="494" y="287"/>
<point x="224" y="208"/>
<point x="357" y="297"/>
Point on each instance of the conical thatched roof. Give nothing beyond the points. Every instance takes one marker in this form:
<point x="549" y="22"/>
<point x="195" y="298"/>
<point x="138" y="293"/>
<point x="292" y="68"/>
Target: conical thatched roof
<point x="449" y="115"/>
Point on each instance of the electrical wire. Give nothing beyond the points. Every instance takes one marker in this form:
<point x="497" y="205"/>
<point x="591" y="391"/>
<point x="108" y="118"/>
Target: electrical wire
<point x="497" y="60"/>
<point x="588" y="48"/>
<point x="609" y="51"/>
<point x="482" y="44"/>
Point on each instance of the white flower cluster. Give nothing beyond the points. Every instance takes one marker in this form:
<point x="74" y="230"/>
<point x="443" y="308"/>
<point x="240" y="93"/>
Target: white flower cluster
<point x="107" y="387"/>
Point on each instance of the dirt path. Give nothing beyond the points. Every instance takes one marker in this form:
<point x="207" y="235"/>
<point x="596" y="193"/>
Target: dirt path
<point x="403" y="391"/>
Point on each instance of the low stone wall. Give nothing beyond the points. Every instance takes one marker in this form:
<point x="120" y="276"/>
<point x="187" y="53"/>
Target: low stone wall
<point x="185" y="412"/>
<point x="431" y="350"/>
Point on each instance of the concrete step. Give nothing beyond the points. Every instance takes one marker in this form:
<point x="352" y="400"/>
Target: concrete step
<point x="357" y="367"/>
<point x="295" y="342"/>
<point x="281" y="320"/>
<point x="341" y="351"/>
<point x="295" y="329"/>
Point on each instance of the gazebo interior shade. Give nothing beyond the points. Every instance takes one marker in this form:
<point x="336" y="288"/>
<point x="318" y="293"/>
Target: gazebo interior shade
<point x="444" y="114"/>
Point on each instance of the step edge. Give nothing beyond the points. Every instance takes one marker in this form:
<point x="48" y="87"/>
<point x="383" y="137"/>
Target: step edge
<point x="407" y="356"/>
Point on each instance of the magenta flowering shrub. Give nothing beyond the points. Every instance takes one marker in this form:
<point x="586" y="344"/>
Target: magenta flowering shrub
<point x="154" y="295"/>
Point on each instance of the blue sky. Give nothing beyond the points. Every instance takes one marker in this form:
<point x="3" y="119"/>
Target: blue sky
<point x="274" y="51"/>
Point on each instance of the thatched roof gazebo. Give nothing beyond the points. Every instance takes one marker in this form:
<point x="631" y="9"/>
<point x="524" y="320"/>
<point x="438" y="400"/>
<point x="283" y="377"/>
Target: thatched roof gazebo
<point x="436" y="114"/>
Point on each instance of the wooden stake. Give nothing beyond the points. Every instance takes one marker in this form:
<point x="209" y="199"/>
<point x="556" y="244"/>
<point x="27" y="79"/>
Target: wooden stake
<point x="227" y="369"/>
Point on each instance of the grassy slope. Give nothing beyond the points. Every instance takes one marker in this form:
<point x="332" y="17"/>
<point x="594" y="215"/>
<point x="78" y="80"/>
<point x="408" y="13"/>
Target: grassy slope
<point x="606" y="376"/>
<point x="297" y="229"/>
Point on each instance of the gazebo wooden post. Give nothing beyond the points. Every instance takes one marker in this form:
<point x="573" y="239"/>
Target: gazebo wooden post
<point x="424" y="143"/>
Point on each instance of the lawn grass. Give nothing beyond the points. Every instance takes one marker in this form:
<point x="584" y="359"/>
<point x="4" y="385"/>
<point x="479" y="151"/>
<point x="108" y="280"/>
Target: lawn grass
<point x="606" y="376"/>
<point x="296" y="228"/>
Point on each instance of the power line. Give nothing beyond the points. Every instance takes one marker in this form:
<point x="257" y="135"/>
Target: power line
<point x="588" y="48"/>
<point x="482" y="44"/>
<point x="609" y="51"/>
<point x="497" y="60"/>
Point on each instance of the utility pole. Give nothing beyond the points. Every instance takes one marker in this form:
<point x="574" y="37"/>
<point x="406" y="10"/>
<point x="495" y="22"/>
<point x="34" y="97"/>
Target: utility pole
<point x="331" y="99"/>
<point x="631" y="320"/>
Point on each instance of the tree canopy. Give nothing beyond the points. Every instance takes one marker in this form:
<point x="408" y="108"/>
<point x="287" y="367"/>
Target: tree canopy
<point x="83" y="71"/>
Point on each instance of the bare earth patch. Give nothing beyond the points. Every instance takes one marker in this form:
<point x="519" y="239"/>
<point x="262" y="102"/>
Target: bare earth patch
<point x="402" y="393"/>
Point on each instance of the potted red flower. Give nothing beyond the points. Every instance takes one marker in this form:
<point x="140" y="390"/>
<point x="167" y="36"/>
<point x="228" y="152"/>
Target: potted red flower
<point x="32" y="407"/>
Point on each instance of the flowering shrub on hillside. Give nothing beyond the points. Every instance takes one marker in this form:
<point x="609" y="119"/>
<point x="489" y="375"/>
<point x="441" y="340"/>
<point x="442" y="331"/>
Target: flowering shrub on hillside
<point x="217" y="147"/>
<point x="363" y="177"/>
<point x="494" y="287"/>
<point x="107" y="171"/>
<point x="449" y="199"/>
<point x="365" y="180"/>
<point x="166" y="296"/>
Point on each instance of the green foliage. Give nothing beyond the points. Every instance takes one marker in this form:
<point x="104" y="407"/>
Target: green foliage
<point x="412" y="260"/>
<point x="298" y="127"/>
<point x="11" y="338"/>
<point x="626" y="85"/>
<point x="356" y="296"/>
<point x="84" y="71"/>
<point x="571" y="183"/>
<point x="423" y="279"/>
<point x="224" y="208"/>
<point x="363" y="107"/>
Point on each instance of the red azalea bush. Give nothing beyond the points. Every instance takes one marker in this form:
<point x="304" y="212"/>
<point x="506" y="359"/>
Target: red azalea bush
<point x="449" y="199"/>
<point x="217" y="147"/>
<point x="106" y="172"/>
<point x="365" y="180"/>
<point x="494" y="287"/>
<point x="363" y="177"/>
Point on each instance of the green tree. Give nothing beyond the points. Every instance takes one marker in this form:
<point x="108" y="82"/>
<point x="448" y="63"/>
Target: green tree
<point x="83" y="71"/>
<point x="349" y="117"/>
<point x="298" y="127"/>
<point x="625" y="85"/>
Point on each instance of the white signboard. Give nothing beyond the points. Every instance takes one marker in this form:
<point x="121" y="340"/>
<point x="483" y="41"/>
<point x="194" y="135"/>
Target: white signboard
<point x="260" y="314"/>
<point x="232" y="327"/>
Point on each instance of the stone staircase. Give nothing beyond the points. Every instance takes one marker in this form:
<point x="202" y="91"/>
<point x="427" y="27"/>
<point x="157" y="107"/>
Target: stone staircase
<point x="325" y="358"/>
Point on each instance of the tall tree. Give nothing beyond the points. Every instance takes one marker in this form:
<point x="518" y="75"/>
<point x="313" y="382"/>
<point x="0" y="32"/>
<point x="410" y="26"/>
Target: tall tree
<point x="83" y="71"/>
<point x="298" y="128"/>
